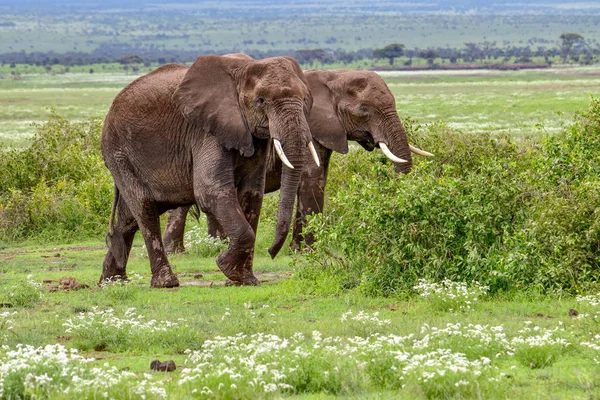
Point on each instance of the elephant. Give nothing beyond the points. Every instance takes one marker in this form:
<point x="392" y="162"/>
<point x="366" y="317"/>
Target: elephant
<point x="348" y="105"/>
<point x="200" y="135"/>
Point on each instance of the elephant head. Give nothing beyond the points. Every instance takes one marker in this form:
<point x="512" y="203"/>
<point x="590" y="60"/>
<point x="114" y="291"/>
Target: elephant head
<point x="240" y="100"/>
<point x="358" y="106"/>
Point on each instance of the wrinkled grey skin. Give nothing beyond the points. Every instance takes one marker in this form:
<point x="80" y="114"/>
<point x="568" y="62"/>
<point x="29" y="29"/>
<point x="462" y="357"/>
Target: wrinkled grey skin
<point x="201" y="135"/>
<point x="348" y="105"/>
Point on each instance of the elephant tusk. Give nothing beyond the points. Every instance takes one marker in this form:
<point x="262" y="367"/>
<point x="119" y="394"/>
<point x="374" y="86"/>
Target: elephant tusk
<point x="281" y="154"/>
<point x="313" y="151"/>
<point x="389" y="154"/>
<point x="419" y="151"/>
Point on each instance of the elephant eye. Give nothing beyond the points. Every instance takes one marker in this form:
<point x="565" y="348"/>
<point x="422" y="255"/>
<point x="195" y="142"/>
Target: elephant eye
<point x="363" y="109"/>
<point x="259" y="102"/>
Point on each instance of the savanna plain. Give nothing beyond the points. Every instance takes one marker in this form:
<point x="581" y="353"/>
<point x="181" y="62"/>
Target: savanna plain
<point x="476" y="276"/>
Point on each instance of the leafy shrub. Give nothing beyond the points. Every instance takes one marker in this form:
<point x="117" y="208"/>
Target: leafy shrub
<point x="58" y="188"/>
<point x="507" y="214"/>
<point x="23" y="294"/>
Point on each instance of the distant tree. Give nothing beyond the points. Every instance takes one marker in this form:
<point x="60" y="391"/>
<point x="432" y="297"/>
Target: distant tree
<point x="429" y="54"/>
<point x="568" y="40"/>
<point x="473" y="51"/>
<point x="130" y="59"/>
<point x="486" y="49"/>
<point x="309" y="56"/>
<point x="346" y="57"/>
<point x="389" y="52"/>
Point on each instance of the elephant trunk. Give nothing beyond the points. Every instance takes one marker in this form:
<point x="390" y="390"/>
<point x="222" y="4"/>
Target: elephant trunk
<point x="292" y="131"/>
<point x="395" y="137"/>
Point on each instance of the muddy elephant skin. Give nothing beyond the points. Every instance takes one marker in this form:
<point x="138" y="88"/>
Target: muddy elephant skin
<point x="348" y="106"/>
<point x="201" y="135"/>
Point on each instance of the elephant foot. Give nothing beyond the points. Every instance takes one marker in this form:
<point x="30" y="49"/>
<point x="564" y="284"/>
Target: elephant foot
<point x="164" y="278"/>
<point x="236" y="269"/>
<point x="116" y="277"/>
<point x="247" y="281"/>
<point x="227" y="265"/>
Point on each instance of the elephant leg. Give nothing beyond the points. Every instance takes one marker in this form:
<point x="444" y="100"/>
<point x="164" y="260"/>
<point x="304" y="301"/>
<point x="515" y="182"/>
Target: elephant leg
<point x="119" y="244"/>
<point x="216" y="194"/>
<point x="236" y="261"/>
<point x="250" y="196"/>
<point x="173" y="237"/>
<point x="146" y="212"/>
<point x="311" y="198"/>
<point x="214" y="228"/>
<point x="149" y="222"/>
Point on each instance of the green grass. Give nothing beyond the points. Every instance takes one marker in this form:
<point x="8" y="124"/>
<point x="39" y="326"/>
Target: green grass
<point x="282" y="309"/>
<point x="519" y="103"/>
<point x="514" y="102"/>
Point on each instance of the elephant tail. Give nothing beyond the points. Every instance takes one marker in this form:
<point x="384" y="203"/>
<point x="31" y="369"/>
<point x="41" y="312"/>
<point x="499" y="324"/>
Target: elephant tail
<point x="195" y="212"/>
<point x="111" y="222"/>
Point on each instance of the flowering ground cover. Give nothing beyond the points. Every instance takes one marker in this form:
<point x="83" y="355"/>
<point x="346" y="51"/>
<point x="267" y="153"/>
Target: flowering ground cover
<point x="443" y="340"/>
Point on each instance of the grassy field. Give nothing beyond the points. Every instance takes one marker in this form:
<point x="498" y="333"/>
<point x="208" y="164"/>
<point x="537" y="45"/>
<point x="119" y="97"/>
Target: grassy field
<point x="517" y="102"/>
<point x="288" y="337"/>
<point x="257" y="29"/>
<point x="518" y="347"/>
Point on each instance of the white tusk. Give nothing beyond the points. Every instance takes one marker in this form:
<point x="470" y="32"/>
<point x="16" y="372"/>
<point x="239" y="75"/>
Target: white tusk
<point x="313" y="151"/>
<point x="389" y="154"/>
<point x="419" y="151"/>
<point x="281" y="154"/>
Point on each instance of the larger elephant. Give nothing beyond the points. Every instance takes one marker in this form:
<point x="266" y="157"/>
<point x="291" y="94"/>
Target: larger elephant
<point x="201" y="135"/>
<point x="348" y="106"/>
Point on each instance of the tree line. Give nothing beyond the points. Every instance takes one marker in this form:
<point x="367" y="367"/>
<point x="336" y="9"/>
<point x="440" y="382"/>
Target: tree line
<point x="572" y="48"/>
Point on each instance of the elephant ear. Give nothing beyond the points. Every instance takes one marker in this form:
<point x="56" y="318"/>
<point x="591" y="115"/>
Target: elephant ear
<point x="324" y="123"/>
<point x="207" y="97"/>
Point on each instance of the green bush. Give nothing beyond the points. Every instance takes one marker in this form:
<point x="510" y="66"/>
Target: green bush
<point x="58" y="187"/>
<point x="487" y="208"/>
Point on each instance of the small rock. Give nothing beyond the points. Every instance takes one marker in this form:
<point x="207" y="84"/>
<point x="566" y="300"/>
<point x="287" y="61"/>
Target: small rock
<point x="573" y="312"/>
<point x="166" y="366"/>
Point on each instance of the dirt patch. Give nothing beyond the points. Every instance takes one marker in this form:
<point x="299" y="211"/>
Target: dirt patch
<point x="539" y="315"/>
<point x="67" y="283"/>
<point x="264" y="278"/>
<point x="71" y="268"/>
<point x="195" y="275"/>
<point x="54" y="253"/>
<point x="81" y="248"/>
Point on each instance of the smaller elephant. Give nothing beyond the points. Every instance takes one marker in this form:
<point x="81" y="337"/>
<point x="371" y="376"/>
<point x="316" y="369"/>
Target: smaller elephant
<point x="202" y="135"/>
<point x="347" y="106"/>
